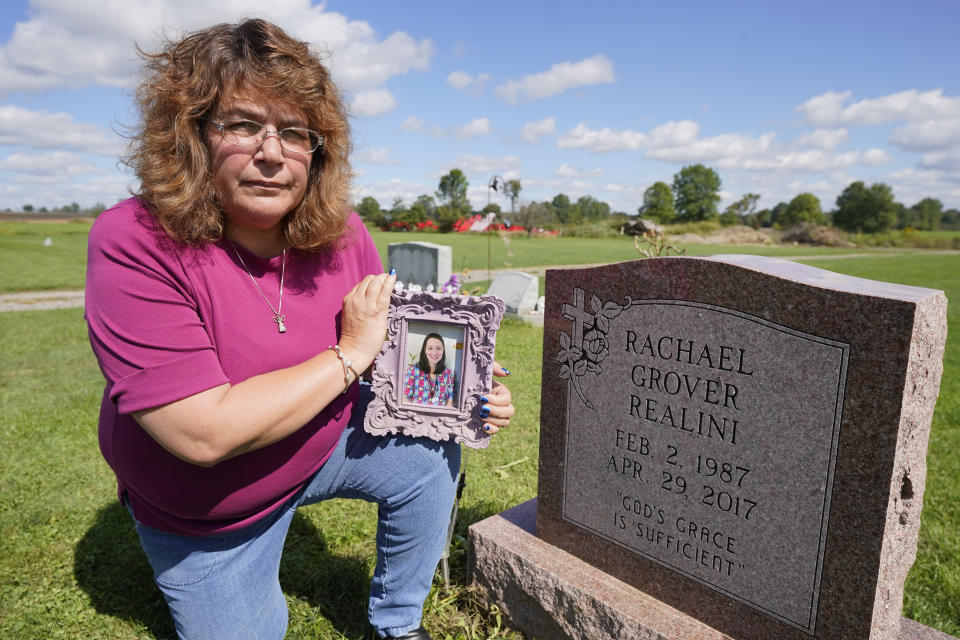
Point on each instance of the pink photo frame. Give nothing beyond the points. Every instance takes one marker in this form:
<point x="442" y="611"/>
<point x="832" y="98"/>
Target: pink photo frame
<point x="467" y="326"/>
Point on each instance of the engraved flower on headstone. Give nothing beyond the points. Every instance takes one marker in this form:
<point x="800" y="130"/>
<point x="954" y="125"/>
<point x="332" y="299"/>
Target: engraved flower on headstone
<point x="582" y="351"/>
<point x="595" y="349"/>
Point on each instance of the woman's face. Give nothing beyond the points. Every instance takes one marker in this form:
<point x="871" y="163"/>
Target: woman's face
<point x="258" y="186"/>
<point x="434" y="350"/>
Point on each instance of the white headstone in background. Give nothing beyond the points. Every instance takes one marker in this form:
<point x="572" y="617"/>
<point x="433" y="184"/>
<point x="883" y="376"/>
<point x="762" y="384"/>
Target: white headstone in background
<point x="518" y="290"/>
<point x="421" y="263"/>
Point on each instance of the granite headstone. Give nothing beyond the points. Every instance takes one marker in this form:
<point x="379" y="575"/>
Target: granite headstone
<point x="740" y="439"/>
<point x="421" y="263"/>
<point x="518" y="290"/>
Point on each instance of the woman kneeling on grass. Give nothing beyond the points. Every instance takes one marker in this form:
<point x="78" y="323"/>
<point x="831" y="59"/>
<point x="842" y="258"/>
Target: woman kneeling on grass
<point x="225" y="306"/>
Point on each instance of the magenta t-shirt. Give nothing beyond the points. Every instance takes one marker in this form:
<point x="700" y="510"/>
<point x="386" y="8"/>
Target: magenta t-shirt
<point x="167" y="321"/>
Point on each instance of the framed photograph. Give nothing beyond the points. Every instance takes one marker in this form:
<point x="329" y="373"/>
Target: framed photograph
<point x="435" y="364"/>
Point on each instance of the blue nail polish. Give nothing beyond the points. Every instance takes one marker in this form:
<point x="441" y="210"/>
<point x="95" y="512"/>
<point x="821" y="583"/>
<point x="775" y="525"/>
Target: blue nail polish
<point x="393" y="272"/>
<point x="506" y="371"/>
<point x="484" y="399"/>
<point x="486" y="427"/>
<point x="484" y="412"/>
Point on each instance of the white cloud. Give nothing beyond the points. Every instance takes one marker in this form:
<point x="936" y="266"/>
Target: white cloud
<point x="559" y="78"/>
<point x="57" y="163"/>
<point x="43" y="51"/>
<point x="533" y="130"/>
<point x="601" y="140"/>
<point x="375" y="156"/>
<point x="477" y="127"/>
<point x="567" y="171"/>
<point x="376" y="102"/>
<point x="45" y="130"/>
<point x="463" y="81"/>
<point x="42" y="191"/>
<point x="412" y="123"/>
<point x="716" y="148"/>
<point x="386" y="191"/>
<point x="914" y="184"/>
<point x="473" y="164"/>
<point x="944" y="161"/>
<point x="928" y="135"/>
<point x="830" y="109"/>
<point x="812" y="160"/>
<point x="827" y="139"/>
<point x="678" y="142"/>
<point x="370" y="63"/>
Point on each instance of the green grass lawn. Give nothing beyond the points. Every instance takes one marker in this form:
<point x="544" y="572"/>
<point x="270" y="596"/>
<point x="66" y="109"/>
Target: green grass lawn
<point x="27" y="265"/>
<point x="70" y="564"/>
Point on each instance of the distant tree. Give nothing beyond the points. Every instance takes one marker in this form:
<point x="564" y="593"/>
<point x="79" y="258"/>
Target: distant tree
<point x="97" y="208"/>
<point x="804" y="207"/>
<point x="926" y="214"/>
<point x="401" y="213"/>
<point x="513" y="189"/>
<point x="567" y="213"/>
<point x="369" y="211"/>
<point x="493" y="206"/>
<point x="696" y="193"/>
<point x="535" y="214"/>
<point x="869" y="210"/>
<point x="446" y="217"/>
<point x="737" y="212"/>
<point x="728" y="218"/>
<point x="950" y="219"/>
<point x="425" y="207"/>
<point x="560" y="201"/>
<point x="760" y="219"/>
<point x="777" y="213"/>
<point x="28" y="207"/>
<point x="658" y="203"/>
<point x="452" y="191"/>
<point x="593" y="209"/>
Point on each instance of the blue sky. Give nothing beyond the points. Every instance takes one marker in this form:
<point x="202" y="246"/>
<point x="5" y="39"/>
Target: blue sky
<point x="600" y="99"/>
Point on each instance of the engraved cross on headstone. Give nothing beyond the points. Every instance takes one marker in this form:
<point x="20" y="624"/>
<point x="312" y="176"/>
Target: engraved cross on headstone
<point x="580" y="317"/>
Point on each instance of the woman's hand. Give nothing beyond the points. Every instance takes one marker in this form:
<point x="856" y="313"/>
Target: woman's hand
<point x="499" y="408"/>
<point x="363" y="326"/>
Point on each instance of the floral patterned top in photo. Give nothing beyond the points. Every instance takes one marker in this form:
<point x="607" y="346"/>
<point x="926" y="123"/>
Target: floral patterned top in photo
<point x="424" y="388"/>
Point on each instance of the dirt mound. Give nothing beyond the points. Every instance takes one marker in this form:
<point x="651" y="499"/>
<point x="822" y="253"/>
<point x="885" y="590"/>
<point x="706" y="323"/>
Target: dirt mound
<point x="739" y="234"/>
<point x="818" y="235"/>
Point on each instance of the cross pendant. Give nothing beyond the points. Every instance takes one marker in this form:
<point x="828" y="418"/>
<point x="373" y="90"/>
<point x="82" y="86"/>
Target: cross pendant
<point x="282" y="328"/>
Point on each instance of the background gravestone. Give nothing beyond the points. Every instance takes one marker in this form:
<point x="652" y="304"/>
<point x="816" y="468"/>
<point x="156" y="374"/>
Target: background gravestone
<point x="420" y="263"/>
<point x="518" y="290"/>
<point x="741" y="439"/>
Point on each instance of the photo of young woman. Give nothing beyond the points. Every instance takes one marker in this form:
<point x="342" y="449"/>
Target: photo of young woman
<point x="430" y="380"/>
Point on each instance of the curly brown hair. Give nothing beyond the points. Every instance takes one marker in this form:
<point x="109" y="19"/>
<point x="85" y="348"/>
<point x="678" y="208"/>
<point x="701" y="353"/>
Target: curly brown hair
<point x="184" y="85"/>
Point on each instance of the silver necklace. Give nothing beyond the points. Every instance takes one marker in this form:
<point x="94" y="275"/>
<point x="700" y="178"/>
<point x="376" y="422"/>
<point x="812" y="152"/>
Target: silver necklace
<point x="277" y="316"/>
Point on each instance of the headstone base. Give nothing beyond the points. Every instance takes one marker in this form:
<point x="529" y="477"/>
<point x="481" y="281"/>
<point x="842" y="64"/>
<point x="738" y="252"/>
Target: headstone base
<point x="551" y="595"/>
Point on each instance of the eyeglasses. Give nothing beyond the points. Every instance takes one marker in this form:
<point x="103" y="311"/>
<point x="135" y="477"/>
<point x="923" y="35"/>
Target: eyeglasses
<point x="247" y="133"/>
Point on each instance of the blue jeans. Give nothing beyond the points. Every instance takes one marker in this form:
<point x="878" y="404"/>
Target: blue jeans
<point x="227" y="586"/>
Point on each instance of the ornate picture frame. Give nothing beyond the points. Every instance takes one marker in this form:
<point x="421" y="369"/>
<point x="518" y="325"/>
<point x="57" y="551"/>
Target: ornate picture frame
<point x="443" y="405"/>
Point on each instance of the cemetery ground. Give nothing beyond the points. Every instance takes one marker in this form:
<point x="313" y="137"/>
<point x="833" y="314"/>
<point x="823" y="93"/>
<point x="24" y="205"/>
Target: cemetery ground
<point x="70" y="564"/>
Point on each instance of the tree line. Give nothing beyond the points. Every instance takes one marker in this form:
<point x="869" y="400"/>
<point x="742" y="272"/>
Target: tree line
<point x="449" y="205"/>
<point x="693" y="196"/>
<point x="73" y="207"/>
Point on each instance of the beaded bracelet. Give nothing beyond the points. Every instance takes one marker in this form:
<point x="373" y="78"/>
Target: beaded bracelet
<point x="347" y="368"/>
